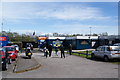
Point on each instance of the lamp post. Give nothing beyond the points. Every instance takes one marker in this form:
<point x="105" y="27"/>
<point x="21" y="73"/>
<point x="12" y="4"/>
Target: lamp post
<point x="90" y="30"/>
<point x="90" y="36"/>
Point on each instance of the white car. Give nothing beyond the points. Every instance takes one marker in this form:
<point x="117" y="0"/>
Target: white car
<point x="16" y="47"/>
<point x="106" y="52"/>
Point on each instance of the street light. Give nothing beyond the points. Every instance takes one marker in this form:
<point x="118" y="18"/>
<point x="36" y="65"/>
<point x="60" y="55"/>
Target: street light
<point x="90" y="36"/>
<point x="90" y="30"/>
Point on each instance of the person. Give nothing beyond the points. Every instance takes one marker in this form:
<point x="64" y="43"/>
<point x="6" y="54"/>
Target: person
<point x="28" y="49"/>
<point x="56" y="50"/>
<point x="70" y="49"/>
<point x="50" y="49"/>
<point x="62" y="51"/>
<point x="45" y="52"/>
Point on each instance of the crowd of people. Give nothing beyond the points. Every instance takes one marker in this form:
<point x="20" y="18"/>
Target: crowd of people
<point x="48" y="50"/>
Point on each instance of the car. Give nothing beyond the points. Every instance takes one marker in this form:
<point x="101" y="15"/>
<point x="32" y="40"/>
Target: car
<point x="11" y="51"/>
<point x="106" y="52"/>
<point x="116" y="44"/>
<point x="17" y="48"/>
<point x="4" y="58"/>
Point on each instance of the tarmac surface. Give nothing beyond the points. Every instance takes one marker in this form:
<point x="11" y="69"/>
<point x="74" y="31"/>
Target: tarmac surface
<point x="24" y="64"/>
<point x="56" y="67"/>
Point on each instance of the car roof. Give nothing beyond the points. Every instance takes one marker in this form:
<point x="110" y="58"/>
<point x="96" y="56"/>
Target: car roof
<point x="9" y="46"/>
<point x="104" y="46"/>
<point x="14" y="45"/>
<point x="107" y="46"/>
<point x="117" y="44"/>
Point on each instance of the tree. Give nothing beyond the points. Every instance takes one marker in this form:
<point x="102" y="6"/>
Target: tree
<point x="55" y="34"/>
<point x="104" y="34"/>
<point x="95" y="34"/>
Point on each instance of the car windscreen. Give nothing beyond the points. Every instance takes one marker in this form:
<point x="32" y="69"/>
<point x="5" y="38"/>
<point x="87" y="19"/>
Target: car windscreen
<point x="10" y="49"/>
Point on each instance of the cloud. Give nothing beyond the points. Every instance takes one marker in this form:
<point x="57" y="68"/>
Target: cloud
<point x="62" y="12"/>
<point x="59" y="1"/>
<point x="73" y="13"/>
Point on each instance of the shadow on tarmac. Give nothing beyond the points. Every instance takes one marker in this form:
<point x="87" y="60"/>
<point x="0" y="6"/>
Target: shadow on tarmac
<point x="24" y="57"/>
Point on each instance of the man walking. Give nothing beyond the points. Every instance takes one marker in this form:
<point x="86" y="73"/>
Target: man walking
<point x="50" y="49"/>
<point x="56" y="50"/>
<point x="45" y="52"/>
<point x="70" y="49"/>
<point x="62" y="51"/>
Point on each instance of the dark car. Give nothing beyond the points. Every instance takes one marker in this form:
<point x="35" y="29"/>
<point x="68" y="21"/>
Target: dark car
<point x="4" y="58"/>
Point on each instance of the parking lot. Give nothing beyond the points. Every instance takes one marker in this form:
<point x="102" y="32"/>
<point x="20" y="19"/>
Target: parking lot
<point x="69" y="67"/>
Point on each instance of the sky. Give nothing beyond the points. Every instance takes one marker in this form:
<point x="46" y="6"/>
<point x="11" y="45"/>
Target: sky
<point x="60" y="17"/>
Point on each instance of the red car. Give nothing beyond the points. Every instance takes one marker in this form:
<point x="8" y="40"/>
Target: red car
<point x="11" y="51"/>
<point x="4" y="60"/>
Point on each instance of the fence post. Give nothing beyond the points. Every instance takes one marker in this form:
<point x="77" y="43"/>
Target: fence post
<point x="86" y="53"/>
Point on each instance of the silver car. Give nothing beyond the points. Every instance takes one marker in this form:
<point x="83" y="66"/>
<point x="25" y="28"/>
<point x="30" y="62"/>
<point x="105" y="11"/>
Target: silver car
<point x="117" y="44"/>
<point x="106" y="52"/>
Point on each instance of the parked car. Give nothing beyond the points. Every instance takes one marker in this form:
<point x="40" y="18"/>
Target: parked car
<point x="11" y="51"/>
<point x="17" y="48"/>
<point x="4" y="61"/>
<point x="106" y="52"/>
<point x="116" y="44"/>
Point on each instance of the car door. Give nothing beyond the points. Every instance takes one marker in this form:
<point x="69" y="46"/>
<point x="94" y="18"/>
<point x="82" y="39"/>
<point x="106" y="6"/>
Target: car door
<point x="107" y="51"/>
<point x="97" y="52"/>
<point x="102" y="52"/>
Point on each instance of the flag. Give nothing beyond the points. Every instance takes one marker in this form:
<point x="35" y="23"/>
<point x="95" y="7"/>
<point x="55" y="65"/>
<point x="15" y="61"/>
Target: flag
<point x="34" y="33"/>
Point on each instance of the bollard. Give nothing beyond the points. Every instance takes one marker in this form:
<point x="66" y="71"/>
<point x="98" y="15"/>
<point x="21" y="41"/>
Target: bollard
<point x="86" y="53"/>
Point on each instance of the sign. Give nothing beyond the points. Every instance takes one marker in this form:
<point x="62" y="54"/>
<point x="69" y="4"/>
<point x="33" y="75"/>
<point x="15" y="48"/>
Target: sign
<point x="57" y="43"/>
<point x="84" y="42"/>
<point x="42" y="38"/>
<point x="2" y="38"/>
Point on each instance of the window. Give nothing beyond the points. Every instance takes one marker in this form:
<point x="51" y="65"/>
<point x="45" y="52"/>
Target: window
<point x="103" y="49"/>
<point x="98" y="49"/>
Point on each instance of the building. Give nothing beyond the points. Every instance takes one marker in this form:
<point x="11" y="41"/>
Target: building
<point x="82" y="42"/>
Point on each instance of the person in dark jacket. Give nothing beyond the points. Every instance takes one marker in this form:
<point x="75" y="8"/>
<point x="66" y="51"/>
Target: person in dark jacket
<point x="50" y="49"/>
<point x="56" y="50"/>
<point x="45" y="52"/>
<point x="62" y="51"/>
<point x="70" y="49"/>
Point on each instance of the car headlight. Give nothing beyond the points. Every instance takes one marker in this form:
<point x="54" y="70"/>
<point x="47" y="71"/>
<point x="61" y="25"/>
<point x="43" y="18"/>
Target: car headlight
<point x="12" y="54"/>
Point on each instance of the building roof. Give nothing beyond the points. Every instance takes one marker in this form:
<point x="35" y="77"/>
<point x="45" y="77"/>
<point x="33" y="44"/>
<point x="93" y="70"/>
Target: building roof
<point x="56" y="37"/>
<point x="83" y="37"/>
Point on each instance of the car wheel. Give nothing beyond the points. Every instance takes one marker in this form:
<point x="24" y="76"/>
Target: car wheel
<point x="106" y="59"/>
<point x="13" y="59"/>
<point x="92" y="56"/>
